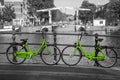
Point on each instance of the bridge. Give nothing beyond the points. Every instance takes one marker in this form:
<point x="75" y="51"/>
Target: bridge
<point x="35" y="71"/>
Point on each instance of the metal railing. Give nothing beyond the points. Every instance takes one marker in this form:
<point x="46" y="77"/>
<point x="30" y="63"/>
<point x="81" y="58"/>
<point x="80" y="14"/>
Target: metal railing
<point x="55" y="34"/>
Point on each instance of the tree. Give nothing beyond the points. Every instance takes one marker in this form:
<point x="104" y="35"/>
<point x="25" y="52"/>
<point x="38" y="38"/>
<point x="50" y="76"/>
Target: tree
<point x="8" y="13"/>
<point x="112" y="12"/>
<point x="87" y="15"/>
<point x="100" y="13"/>
<point x="37" y="5"/>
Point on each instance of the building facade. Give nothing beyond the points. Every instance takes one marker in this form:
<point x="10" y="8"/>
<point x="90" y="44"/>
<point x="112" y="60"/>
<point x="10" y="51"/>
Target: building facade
<point x="20" y="10"/>
<point x="99" y="22"/>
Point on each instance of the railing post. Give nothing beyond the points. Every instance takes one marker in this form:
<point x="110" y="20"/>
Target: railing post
<point x="96" y="41"/>
<point x="13" y="34"/>
<point x="13" y="38"/>
<point x="54" y="35"/>
<point x="55" y="41"/>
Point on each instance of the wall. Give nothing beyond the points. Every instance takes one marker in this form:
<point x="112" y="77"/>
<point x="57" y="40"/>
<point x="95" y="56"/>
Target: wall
<point x="100" y="22"/>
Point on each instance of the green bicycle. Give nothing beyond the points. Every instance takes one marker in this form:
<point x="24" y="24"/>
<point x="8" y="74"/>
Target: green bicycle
<point x="17" y="53"/>
<point x="102" y="55"/>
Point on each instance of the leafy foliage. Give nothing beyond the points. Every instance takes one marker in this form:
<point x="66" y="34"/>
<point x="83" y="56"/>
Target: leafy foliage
<point x="113" y="11"/>
<point x="8" y="13"/>
<point x="110" y="12"/>
<point x="87" y="15"/>
<point x="37" y="5"/>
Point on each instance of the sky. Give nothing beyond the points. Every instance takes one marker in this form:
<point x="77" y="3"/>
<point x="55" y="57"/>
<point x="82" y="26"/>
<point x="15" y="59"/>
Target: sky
<point x="72" y="3"/>
<point x="76" y="3"/>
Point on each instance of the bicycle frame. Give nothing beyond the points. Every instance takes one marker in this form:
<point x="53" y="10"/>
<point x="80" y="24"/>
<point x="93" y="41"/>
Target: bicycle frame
<point x="89" y="55"/>
<point x="31" y="53"/>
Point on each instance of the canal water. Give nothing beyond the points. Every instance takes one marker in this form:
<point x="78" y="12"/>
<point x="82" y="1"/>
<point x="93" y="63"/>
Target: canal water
<point x="61" y="39"/>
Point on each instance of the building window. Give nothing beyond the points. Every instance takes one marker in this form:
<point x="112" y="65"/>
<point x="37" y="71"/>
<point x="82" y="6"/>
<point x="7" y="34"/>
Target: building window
<point x="101" y="22"/>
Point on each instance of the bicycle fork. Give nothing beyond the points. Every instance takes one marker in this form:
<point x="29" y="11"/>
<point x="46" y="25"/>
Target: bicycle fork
<point x="74" y="52"/>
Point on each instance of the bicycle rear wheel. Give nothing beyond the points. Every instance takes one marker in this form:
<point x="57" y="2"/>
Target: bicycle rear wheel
<point x="70" y="58"/>
<point x="50" y="56"/>
<point x="110" y="59"/>
<point x="10" y="54"/>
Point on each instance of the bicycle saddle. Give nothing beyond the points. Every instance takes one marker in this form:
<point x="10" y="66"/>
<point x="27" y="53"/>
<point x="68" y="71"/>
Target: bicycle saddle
<point x="24" y="40"/>
<point x="100" y="39"/>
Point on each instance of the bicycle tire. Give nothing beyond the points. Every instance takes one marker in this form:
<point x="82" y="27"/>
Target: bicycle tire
<point x="50" y="59"/>
<point x="11" y="58"/>
<point x="110" y="59"/>
<point x="71" y="61"/>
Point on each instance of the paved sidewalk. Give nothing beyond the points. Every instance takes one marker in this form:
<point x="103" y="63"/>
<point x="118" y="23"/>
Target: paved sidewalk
<point x="56" y="72"/>
<point x="116" y="68"/>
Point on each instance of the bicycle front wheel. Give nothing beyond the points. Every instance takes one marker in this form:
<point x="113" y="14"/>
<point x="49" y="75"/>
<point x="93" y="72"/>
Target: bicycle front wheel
<point x="71" y="56"/>
<point x="110" y="58"/>
<point x="10" y="54"/>
<point x="50" y="55"/>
